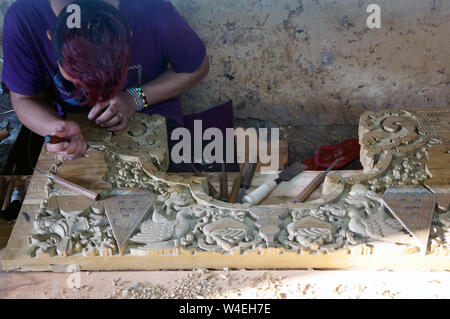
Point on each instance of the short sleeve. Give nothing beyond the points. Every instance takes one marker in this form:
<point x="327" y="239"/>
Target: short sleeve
<point x="20" y="72"/>
<point x="181" y="46"/>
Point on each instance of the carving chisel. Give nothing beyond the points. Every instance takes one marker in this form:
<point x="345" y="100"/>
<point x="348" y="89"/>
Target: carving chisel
<point x="9" y="190"/>
<point x="311" y="187"/>
<point x="3" y="186"/>
<point x="224" y="184"/>
<point x="4" y="134"/>
<point x="51" y="139"/>
<point x="262" y="191"/>
<point x="236" y="185"/>
<point x="246" y="181"/>
<point x="212" y="191"/>
<point x="71" y="186"/>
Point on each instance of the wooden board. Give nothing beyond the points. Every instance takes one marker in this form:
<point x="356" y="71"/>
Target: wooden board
<point x="414" y="207"/>
<point x="125" y="213"/>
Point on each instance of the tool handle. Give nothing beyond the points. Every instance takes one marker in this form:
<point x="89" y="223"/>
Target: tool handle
<point x="8" y="193"/>
<point x="76" y="188"/>
<point x="256" y="196"/>
<point x="212" y="190"/>
<point x="224" y="185"/>
<point x="235" y="190"/>
<point x="4" y="134"/>
<point x="311" y="187"/>
<point x="3" y="186"/>
<point x="52" y="139"/>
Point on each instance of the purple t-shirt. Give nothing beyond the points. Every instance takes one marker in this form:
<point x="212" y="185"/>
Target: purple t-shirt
<point x="160" y="36"/>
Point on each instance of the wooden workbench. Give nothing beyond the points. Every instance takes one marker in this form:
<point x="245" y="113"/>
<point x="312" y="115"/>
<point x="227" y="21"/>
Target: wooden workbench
<point x="89" y="172"/>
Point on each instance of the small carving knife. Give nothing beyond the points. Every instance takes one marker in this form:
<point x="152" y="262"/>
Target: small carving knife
<point x="246" y="180"/>
<point x="262" y="191"/>
<point x="51" y="139"/>
<point x="71" y="186"/>
<point x="224" y="184"/>
<point x="311" y="187"/>
<point x="236" y="186"/>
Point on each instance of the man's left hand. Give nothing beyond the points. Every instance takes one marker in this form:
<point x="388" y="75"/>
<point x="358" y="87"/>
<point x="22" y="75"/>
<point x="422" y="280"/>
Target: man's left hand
<point x="114" y="114"/>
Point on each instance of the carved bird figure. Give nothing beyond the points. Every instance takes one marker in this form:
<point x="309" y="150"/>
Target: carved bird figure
<point x="163" y="233"/>
<point x="355" y="224"/>
<point x="379" y="226"/>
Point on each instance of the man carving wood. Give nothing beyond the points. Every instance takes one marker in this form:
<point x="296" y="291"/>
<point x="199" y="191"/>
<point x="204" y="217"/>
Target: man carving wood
<point x="125" y="56"/>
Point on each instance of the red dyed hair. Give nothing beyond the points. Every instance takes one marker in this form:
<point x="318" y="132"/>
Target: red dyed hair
<point x="96" y="55"/>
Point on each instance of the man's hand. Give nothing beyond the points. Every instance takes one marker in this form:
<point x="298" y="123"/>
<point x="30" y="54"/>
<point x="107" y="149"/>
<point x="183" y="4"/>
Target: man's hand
<point x="74" y="147"/>
<point x="118" y="111"/>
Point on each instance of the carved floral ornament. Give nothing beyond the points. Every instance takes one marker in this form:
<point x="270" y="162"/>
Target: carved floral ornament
<point x="394" y="151"/>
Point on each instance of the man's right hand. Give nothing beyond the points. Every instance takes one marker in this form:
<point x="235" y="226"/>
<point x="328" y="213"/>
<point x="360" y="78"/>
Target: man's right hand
<point x="75" y="145"/>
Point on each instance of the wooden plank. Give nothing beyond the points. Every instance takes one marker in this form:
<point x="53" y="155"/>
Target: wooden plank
<point x="125" y="213"/>
<point x="414" y="207"/>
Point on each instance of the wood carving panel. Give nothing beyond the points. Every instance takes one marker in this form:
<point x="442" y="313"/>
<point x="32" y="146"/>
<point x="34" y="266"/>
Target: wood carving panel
<point x="354" y="216"/>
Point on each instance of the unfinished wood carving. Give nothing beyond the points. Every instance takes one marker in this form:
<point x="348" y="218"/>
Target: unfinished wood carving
<point x="125" y="213"/>
<point x="354" y="214"/>
<point x="63" y="229"/>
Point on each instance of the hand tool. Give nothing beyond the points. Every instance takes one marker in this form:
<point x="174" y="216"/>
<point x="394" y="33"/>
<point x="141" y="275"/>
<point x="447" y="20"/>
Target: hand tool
<point x="51" y="139"/>
<point x="212" y="191"/>
<point x="6" y="112"/>
<point x="311" y="187"/>
<point x="26" y="216"/>
<point x="262" y="191"/>
<point x="71" y="186"/>
<point x="13" y="209"/>
<point x="246" y="181"/>
<point x="224" y="184"/>
<point x="9" y="191"/>
<point x="3" y="186"/>
<point x="236" y="185"/>
<point x="4" y="134"/>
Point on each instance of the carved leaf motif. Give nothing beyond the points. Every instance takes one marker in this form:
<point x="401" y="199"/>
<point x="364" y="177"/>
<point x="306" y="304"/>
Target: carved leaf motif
<point x="229" y="235"/>
<point x="312" y="234"/>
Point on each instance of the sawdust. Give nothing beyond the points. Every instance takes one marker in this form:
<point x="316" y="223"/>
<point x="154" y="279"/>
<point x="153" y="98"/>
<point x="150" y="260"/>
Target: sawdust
<point x="201" y="284"/>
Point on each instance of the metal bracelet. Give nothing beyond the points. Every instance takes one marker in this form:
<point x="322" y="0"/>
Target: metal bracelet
<point x="140" y="103"/>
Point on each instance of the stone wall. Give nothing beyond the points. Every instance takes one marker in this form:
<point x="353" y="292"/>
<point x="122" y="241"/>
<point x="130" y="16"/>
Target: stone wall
<point x="316" y="62"/>
<point x="313" y="66"/>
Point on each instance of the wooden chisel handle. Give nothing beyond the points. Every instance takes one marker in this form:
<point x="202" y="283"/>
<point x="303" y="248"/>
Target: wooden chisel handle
<point x="212" y="190"/>
<point x="235" y="190"/>
<point x="3" y="134"/>
<point x="224" y="184"/>
<point x="256" y="196"/>
<point x="9" y="190"/>
<point x="3" y="186"/>
<point x="76" y="188"/>
<point x="311" y="187"/>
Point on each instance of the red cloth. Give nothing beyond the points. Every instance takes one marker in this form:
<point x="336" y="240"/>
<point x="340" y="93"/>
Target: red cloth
<point x="347" y="151"/>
